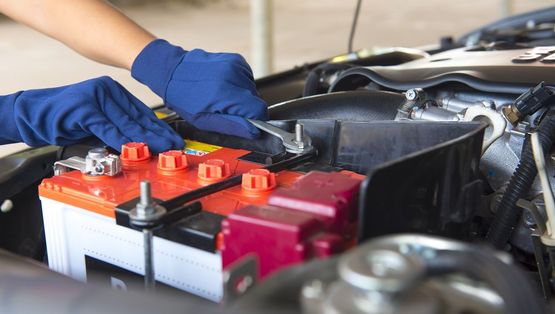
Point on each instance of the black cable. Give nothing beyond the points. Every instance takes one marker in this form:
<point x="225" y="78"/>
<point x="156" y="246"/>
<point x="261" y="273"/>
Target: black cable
<point x="354" y="26"/>
<point x="233" y="181"/>
<point x="508" y="213"/>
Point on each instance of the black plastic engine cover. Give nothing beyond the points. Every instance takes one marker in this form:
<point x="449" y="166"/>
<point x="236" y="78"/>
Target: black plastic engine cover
<point x="500" y="71"/>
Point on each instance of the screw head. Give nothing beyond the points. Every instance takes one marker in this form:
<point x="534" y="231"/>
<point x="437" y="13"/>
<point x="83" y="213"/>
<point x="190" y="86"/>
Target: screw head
<point x="412" y="94"/>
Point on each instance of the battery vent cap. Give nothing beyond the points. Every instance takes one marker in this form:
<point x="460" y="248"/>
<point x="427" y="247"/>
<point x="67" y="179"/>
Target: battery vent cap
<point x="213" y="170"/>
<point x="258" y="180"/>
<point x="173" y="160"/>
<point x="134" y="151"/>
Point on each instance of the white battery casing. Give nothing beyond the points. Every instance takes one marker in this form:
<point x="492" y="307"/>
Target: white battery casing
<point x="73" y="233"/>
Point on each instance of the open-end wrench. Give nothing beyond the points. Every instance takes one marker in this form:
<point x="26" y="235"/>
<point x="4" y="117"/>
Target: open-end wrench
<point x="296" y="143"/>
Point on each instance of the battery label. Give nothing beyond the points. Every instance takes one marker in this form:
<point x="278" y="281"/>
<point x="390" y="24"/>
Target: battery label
<point x="160" y="115"/>
<point x="198" y="148"/>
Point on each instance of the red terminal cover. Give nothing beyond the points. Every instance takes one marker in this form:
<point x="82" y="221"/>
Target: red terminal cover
<point x="278" y="236"/>
<point x="333" y="196"/>
<point x="314" y="217"/>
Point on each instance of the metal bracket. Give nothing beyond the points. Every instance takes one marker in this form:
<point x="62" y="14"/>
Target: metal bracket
<point x="548" y="237"/>
<point x="73" y="163"/>
<point x="533" y="209"/>
<point x="240" y="277"/>
<point x="97" y="163"/>
<point x="495" y="120"/>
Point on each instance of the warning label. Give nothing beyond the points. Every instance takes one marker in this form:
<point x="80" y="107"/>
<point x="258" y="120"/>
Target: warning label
<point x="198" y="148"/>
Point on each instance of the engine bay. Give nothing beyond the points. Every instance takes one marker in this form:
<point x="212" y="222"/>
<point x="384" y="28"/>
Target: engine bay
<point x="386" y="181"/>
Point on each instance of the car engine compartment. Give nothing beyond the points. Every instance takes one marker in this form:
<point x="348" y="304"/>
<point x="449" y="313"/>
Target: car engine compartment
<point x="387" y="181"/>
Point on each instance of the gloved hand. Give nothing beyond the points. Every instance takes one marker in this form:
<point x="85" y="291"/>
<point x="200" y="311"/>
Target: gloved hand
<point x="212" y="91"/>
<point x="65" y="115"/>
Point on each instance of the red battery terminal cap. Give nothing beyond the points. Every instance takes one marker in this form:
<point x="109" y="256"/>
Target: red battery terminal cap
<point x="213" y="170"/>
<point x="259" y="180"/>
<point x="134" y="151"/>
<point x="173" y="160"/>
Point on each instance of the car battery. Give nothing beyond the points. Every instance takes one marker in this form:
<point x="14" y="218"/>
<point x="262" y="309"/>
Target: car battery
<point x="273" y="219"/>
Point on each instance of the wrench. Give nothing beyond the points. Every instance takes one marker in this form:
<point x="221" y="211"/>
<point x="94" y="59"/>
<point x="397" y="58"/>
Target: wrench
<point x="296" y="143"/>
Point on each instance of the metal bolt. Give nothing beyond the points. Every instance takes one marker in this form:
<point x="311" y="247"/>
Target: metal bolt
<point x="97" y="153"/>
<point x="147" y="212"/>
<point x="146" y="215"/>
<point x="146" y="196"/>
<point x="146" y="209"/>
<point x="99" y="168"/>
<point x="413" y="94"/>
<point x="7" y="205"/>
<point x="150" y="283"/>
<point x="299" y="132"/>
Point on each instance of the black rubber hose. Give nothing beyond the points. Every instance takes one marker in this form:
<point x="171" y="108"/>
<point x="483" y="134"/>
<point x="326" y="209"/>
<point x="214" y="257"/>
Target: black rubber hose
<point x="511" y="283"/>
<point x="508" y="213"/>
<point x="313" y="84"/>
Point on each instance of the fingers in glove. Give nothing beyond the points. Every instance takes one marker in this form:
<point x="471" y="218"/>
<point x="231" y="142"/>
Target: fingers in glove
<point x="228" y="59"/>
<point x="223" y="99"/>
<point x="223" y="123"/>
<point x="134" y="130"/>
<point x="100" y="126"/>
<point x="143" y="115"/>
<point x="124" y="111"/>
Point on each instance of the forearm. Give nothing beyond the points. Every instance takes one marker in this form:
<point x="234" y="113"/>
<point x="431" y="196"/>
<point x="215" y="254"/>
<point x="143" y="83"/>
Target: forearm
<point x="9" y="133"/>
<point x="94" y="28"/>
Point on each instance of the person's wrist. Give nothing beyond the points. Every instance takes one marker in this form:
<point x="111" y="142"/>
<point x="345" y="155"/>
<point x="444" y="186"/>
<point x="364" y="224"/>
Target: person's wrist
<point x="8" y="119"/>
<point x="155" y="64"/>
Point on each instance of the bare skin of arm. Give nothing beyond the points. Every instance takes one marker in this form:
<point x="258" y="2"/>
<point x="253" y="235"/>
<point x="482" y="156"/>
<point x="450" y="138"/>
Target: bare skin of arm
<point x="93" y="28"/>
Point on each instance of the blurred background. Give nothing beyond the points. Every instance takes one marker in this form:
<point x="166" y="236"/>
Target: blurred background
<point x="304" y="30"/>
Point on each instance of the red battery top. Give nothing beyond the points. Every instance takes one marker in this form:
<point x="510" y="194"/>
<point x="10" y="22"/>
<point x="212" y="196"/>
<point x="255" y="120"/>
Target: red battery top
<point x="170" y="173"/>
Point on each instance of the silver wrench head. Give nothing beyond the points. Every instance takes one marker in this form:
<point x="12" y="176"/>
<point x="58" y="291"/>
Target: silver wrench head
<point x="287" y="138"/>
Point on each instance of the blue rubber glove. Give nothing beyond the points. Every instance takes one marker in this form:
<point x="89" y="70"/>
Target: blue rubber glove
<point x="65" y="115"/>
<point x="212" y="91"/>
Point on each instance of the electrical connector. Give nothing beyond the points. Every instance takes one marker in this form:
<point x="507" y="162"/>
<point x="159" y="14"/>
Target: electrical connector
<point x="529" y="103"/>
